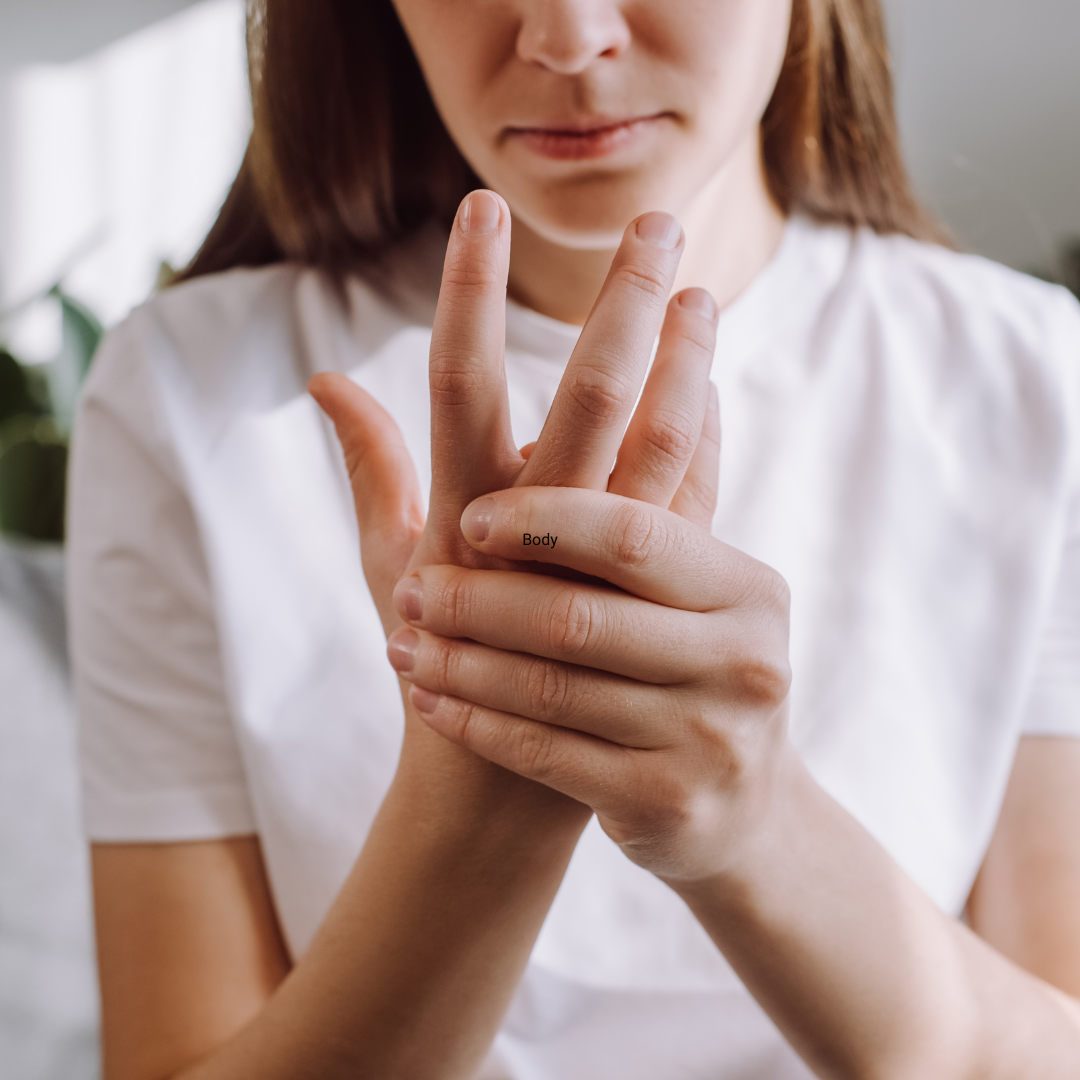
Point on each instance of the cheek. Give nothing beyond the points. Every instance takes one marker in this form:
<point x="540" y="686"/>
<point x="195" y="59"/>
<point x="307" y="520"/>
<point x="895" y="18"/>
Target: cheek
<point x="462" y="46"/>
<point x="734" y="60"/>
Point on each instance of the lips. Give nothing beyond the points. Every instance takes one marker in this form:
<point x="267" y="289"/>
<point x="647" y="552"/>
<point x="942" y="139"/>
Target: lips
<point x="581" y="141"/>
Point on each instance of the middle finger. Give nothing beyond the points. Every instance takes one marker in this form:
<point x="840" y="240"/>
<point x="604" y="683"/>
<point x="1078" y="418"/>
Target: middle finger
<point x="576" y="623"/>
<point x="578" y="443"/>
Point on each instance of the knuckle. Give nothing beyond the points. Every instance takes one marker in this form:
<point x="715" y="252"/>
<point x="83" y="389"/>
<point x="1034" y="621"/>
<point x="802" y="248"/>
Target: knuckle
<point x="535" y="750"/>
<point x="701" y="496"/>
<point x="763" y="681"/>
<point x="642" y="277"/>
<point x="454" y="379"/>
<point x="444" y="664"/>
<point x="762" y="588"/>
<point x="700" y="336"/>
<point x="669" y="436"/>
<point x="470" y="271"/>
<point x="640" y="536"/>
<point x="774" y="590"/>
<point x="597" y="393"/>
<point x="546" y="686"/>
<point x="570" y="622"/>
<point x="465" y="723"/>
<point x="455" y="602"/>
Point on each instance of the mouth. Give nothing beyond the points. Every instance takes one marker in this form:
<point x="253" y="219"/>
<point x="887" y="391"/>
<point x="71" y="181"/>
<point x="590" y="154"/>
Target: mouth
<point x="579" y="141"/>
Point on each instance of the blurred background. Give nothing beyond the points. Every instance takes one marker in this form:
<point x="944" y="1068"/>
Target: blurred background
<point x="122" y="123"/>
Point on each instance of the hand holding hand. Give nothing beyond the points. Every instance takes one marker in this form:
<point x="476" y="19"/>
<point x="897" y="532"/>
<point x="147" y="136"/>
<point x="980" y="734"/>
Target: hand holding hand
<point x="659" y="703"/>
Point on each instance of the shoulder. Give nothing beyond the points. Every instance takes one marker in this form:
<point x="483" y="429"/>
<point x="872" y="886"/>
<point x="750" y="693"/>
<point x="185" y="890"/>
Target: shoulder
<point x="242" y="341"/>
<point x="205" y="328"/>
<point x="952" y="332"/>
<point x="980" y="308"/>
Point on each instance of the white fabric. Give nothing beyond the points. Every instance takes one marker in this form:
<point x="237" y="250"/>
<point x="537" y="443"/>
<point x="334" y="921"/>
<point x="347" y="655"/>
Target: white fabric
<point x="901" y="440"/>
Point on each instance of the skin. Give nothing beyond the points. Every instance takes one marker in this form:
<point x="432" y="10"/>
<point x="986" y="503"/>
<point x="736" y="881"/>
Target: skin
<point x="416" y="961"/>
<point x="707" y="68"/>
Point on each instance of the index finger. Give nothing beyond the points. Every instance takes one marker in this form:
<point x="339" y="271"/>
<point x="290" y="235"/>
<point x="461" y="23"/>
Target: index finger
<point x="584" y="428"/>
<point x="472" y="448"/>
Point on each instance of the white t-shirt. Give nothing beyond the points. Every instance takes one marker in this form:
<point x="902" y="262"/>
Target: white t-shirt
<point x="901" y="440"/>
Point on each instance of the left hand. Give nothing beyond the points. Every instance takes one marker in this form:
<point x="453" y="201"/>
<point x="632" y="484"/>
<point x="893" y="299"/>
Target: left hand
<point x="659" y="703"/>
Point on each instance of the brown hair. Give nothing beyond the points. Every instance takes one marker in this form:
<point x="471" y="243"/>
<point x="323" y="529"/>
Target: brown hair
<point x="348" y="155"/>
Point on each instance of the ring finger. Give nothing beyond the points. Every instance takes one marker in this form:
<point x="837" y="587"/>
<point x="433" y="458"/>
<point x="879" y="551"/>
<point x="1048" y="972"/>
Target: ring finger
<point x="611" y="707"/>
<point x="667" y="422"/>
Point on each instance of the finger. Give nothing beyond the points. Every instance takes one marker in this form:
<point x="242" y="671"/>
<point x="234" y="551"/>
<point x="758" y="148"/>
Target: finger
<point x="696" y="498"/>
<point x="623" y="711"/>
<point x="585" y="425"/>
<point x="639" y="548"/>
<point x="575" y="623"/>
<point x="386" y="491"/>
<point x="580" y="766"/>
<point x="527" y="449"/>
<point x="666" y="425"/>
<point x="472" y="449"/>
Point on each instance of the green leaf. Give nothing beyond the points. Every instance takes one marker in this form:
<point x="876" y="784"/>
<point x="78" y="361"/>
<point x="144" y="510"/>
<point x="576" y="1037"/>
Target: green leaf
<point x="82" y="335"/>
<point x="33" y="476"/>
<point x="16" y="395"/>
<point x="82" y="331"/>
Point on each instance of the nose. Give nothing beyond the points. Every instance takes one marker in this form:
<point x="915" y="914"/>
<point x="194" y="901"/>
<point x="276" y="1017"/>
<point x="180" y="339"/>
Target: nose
<point x="566" y="36"/>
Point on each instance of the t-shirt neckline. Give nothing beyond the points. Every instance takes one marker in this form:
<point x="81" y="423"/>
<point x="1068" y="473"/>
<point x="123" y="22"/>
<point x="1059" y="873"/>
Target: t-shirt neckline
<point x="754" y="315"/>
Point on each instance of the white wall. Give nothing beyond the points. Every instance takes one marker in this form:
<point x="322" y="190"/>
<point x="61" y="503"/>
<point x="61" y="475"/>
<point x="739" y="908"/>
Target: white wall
<point x="989" y="101"/>
<point x="116" y="159"/>
<point x="56" y="31"/>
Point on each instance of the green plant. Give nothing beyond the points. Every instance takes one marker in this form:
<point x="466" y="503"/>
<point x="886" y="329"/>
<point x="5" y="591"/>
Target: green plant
<point x="37" y="406"/>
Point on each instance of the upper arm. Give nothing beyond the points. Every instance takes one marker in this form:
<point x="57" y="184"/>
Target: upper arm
<point x="189" y="950"/>
<point x="158" y="751"/>
<point x="1026" y="899"/>
<point x="188" y="943"/>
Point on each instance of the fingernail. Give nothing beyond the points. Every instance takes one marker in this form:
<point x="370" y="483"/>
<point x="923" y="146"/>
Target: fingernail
<point x="480" y="213"/>
<point x="408" y="598"/>
<point x="660" y="229"/>
<point x="700" y="301"/>
<point x="476" y="521"/>
<point x="401" y="648"/>
<point x="424" y="700"/>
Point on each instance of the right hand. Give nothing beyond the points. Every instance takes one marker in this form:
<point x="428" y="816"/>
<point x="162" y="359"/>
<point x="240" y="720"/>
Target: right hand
<point x="668" y="456"/>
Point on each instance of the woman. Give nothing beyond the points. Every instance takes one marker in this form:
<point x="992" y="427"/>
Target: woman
<point x="290" y="883"/>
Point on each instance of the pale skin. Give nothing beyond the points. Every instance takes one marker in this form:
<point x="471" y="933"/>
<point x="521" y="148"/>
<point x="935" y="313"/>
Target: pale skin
<point x="859" y="971"/>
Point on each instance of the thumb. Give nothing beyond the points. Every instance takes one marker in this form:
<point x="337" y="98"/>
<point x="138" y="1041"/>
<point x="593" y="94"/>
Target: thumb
<point x="385" y="488"/>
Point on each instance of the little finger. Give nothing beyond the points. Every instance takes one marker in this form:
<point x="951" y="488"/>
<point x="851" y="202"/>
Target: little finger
<point x="583" y="767"/>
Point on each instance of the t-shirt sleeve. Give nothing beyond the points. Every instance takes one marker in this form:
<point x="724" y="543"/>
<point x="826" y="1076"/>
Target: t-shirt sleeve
<point x="1053" y="707"/>
<point x="158" y="750"/>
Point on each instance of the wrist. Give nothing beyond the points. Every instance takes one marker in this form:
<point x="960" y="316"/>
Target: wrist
<point x="754" y="844"/>
<point x="447" y="789"/>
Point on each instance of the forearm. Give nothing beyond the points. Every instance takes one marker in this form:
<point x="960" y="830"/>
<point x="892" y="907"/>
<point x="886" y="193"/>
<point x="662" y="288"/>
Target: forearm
<point x="416" y="962"/>
<point x="861" y="972"/>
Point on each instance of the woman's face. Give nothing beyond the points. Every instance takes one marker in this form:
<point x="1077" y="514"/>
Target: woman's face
<point x="585" y="113"/>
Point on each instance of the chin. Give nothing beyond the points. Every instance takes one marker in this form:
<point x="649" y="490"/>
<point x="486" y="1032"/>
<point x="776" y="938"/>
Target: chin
<point x="590" y="214"/>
